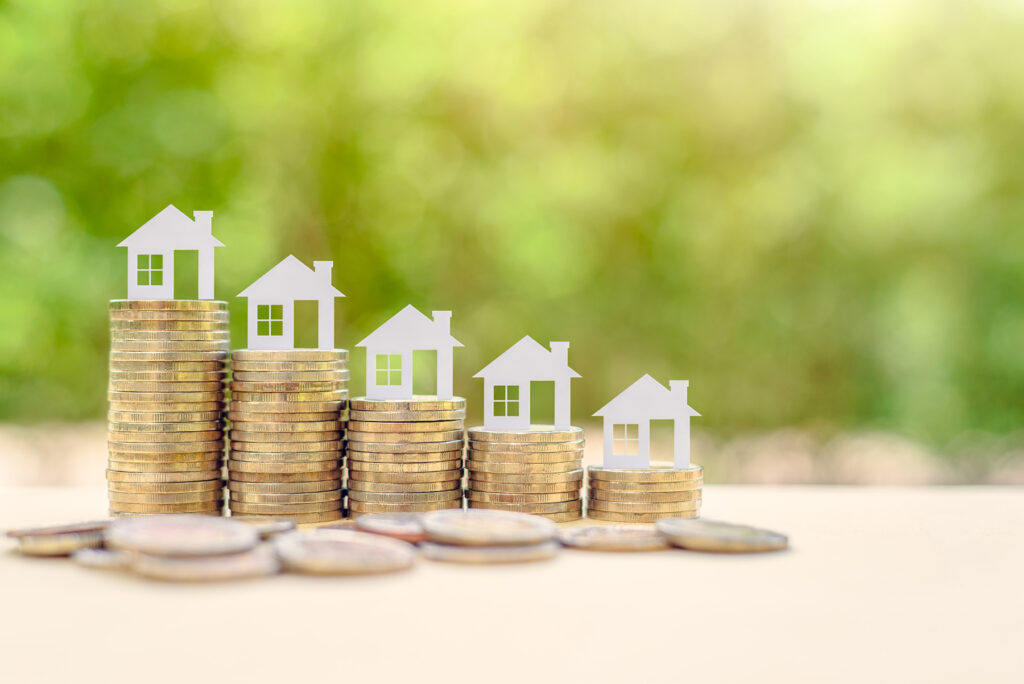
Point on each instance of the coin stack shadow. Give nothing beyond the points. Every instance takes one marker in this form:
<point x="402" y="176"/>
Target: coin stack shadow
<point x="538" y="471"/>
<point x="405" y="455"/>
<point x="287" y="421"/>
<point x="166" y="440"/>
<point x="644" y="495"/>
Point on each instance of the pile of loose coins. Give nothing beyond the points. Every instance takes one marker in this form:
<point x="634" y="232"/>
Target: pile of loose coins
<point x="287" y="423"/>
<point x="166" y="391"/>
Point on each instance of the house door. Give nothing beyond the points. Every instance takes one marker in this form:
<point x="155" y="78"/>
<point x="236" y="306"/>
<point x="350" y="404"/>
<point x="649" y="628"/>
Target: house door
<point x="186" y="274"/>
<point x="307" y="320"/>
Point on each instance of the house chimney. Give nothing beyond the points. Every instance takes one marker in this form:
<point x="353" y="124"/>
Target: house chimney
<point x="678" y="390"/>
<point x="203" y="221"/>
<point x="323" y="271"/>
<point x="443" y="320"/>
<point x="560" y="352"/>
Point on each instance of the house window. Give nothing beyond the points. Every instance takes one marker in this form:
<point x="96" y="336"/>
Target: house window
<point x="506" y="401"/>
<point x="389" y="370"/>
<point x="626" y="439"/>
<point x="270" y="320"/>
<point x="150" y="269"/>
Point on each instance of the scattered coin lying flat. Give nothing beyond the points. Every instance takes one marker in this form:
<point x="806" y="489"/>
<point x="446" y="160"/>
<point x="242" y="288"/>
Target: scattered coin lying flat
<point x="257" y="562"/>
<point x="483" y="527"/>
<point x="265" y="525"/>
<point x="405" y="526"/>
<point x="102" y="559"/>
<point x="721" y="537"/>
<point x="613" y="538"/>
<point x="59" y="540"/>
<point x="483" y="555"/>
<point x="181" y="535"/>
<point x="341" y="552"/>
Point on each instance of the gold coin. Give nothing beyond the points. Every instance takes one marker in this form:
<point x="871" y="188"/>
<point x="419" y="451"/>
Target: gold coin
<point x="288" y="437"/>
<point x="304" y="497"/>
<point x="284" y="487"/>
<point x="169" y="498"/>
<point x="278" y="509"/>
<point x="288" y="366"/>
<point x="280" y="467"/>
<point x="283" y="478"/>
<point x="164" y="386"/>
<point x="719" y="537"/>
<point x="141" y="477"/>
<point x="122" y="419"/>
<point x="165" y="487"/>
<point x="609" y="516"/>
<point x="613" y="538"/>
<point x="166" y="315"/>
<point x="534" y="508"/>
<point x="288" y="387"/>
<point x="407" y="448"/>
<point x="149" y="324"/>
<point x="487" y="555"/>
<point x="409" y="416"/>
<point x="168" y="304"/>
<point x="307" y="380"/>
<point x="404" y="487"/>
<point x="655" y="497"/>
<point x="170" y="346"/>
<point x="287" y="447"/>
<point x="305" y="518"/>
<point x="405" y="437"/>
<point x="168" y="357"/>
<point x="613" y="487"/>
<point x="290" y="397"/>
<point x="396" y="478"/>
<point x="634" y="507"/>
<point x="200" y="507"/>
<point x="328" y="421"/>
<point x="487" y="528"/>
<point x="536" y="433"/>
<point x="286" y="410"/>
<point x="168" y="366"/>
<point x="537" y="448"/>
<point x="165" y="466"/>
<point x="102" y="559"/>
<point x="528" y="478"/>
<point x="142" y="459"/>
<point x="164" y="437"/>
<point x="143" y="407"/>
<point x="267" y="526"/>
<point x="304" y="428"/>
<point x="175" y="377"/>
<point x="503" y="498"/>
<point x="119" y="336"/>
<point x="394" y="427"/>
<point x="404" y="497"/>
<point x="258" y="562"/>
<point x="432" y="457"/>
<point x="568" y="516"/>
<point x="167" y="446"/>
<point x="343" y="552"/>
<point x="655" y="473"/>
<point x="417" y="403"/>
<point x="360" y="507"/>
<point x="59" y="540"/>
<point x="165" y="427"/>
<point x="181" y="535"/>
<point x="289" y="457"/>
<point x="523" y="488"/>
<point x="523" y="457"/>
<point x="282" y="355"/>
<point x="522" y="468"/>
<point x="405" y="526"/>
<point x="363" y="466"/>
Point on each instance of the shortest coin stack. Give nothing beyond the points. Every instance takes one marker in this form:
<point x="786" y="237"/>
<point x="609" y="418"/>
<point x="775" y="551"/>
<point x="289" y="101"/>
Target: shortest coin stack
<point x="536" y="471"/>
<point x="286" y="416"/>
<point x="405" y="455"/>
<point x="644" y="495"/>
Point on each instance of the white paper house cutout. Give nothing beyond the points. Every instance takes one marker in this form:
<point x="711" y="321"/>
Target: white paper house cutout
<point x="389" y="353"/>
<point x="272" y="300"/>
<point x="151" y="253"/>
<point x="507" y="384"/>
<point x="627" y="423"/>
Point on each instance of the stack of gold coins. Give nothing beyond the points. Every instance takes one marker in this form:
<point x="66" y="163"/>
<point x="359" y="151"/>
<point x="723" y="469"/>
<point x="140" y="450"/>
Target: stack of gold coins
<point x="535" y="471"/>
<point x="405" y="455"/>
<point x="644" y="495"/>
<point x="166" y="440"/>
<point x="287" y="421"/>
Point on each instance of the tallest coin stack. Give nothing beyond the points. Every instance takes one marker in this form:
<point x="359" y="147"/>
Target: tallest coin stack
<point x="167" y="370"/>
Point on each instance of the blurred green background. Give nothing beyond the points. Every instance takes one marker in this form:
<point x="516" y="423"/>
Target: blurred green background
<point x="812" y="210"/>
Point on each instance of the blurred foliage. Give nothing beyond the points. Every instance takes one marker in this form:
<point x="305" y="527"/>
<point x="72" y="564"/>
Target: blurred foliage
<point x="812" y="210"/>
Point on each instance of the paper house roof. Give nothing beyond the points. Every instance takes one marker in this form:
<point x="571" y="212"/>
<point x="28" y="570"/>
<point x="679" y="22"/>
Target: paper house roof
<point x="648" y="399"/>
<point x="171" y="229"/>
<point x="527" y="358"/>
<point x="292" y="279"/>
<point x="410" y="328"/>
